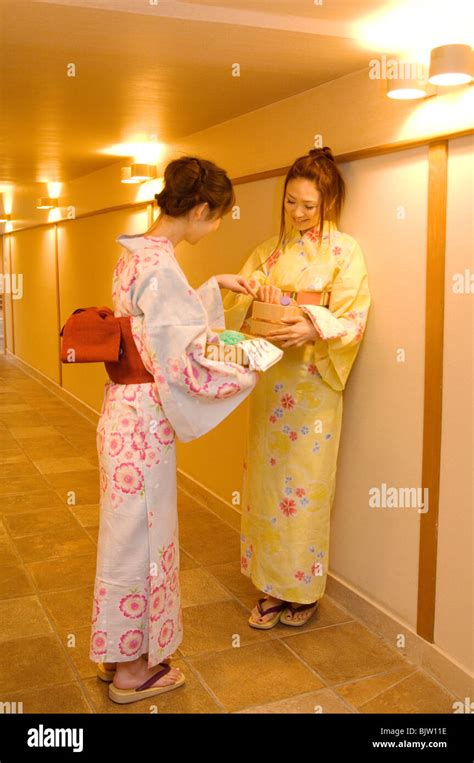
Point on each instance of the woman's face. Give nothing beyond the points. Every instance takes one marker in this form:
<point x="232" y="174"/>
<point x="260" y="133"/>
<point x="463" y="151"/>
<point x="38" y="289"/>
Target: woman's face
<point x="302" y="202"/>
<point x="198" y="225"/>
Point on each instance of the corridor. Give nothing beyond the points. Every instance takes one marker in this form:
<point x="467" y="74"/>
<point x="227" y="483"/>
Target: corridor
<point x="49" y="510"/>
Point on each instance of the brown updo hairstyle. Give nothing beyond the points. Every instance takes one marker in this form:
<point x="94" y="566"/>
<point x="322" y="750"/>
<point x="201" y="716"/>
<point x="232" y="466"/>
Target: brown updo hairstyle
<point x="320" y="168"/>
<point x="190" y="181"/>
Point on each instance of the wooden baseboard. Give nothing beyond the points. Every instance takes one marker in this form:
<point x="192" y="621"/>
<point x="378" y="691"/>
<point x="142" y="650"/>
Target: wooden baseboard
<point x="424" y="654"/>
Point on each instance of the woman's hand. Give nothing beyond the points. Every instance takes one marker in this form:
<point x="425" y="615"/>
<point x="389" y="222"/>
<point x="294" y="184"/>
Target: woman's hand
<point x="300" y="330"/>
<point x="238" y="284"/>
<point x="269" y="294"/>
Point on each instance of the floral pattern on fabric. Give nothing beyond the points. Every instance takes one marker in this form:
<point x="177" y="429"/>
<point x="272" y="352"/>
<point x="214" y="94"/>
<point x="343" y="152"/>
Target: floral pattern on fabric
<point x="296" y="416"/>
<point x="137" y="603"/>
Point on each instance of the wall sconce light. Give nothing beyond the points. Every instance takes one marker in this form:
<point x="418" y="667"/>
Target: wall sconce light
<point x="407" y="88"/>
<point x="451" y="65"/>
<point x="138" y="173"/>
<point x="46" y="202"/>
<point x="4" y="217"/>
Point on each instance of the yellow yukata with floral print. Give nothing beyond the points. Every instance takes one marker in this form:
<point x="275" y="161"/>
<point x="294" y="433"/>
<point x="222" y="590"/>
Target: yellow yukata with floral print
<point x="296" y="414"/>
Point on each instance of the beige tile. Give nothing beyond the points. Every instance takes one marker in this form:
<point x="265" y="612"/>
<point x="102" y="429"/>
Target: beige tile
<point x="61" y="410"/>
<point x="69" y="609"/>
<point x="14" y="582"/>
<point x="199" y="587"/>
<point x="29" y="663"/>
<point x="240" y="585"/>
<point x="77" y="425"/>
<point x="41" y="499"/>
<point x="345" y="652"/>
<point x="189" y="698"/>
<point x="357" y="693"/>
<point x="84" y="439"/>
<point x="319" y="702"/>
<point x="33" y="399"/>
<point x="81" y="479"/>
<point x="84" y="493"/>
<point x="223" y="546"/>
<point x="87" y="515"/>
<point x="60" y="465"/>
<point x="77" y="643"/>
<point x="39" y="521"/>
<point x="415" y="694"/>
<point x="25" y="419"/>
<point x="23" y="383"/>
<point x="217" y="626"/>
<point x="53" y="446"/>
<point x="53" y="544"/>
<point x="91" y="457"/>
<point x="17" y="485"/>
<point x="90" y="451"/>
<point x="42" y="399"/>
<point x="10" y="449"/>
<point x="8" y="553"/>
<point x="15" y="458"/>
<point x="6" y="440"/>
<point x="66" y="698"/>
<point x="23" y="617"/>
<point x="452" y="676"/>
<point x="7" y="407"/>
<point x="7" y="391"/>
<point x="255" y="675"/>
<point x="186" y="562"/>
<point x="67" y="572"/>
<point x="199" y="523"/>
<point x="93" y="533"/>
<point x="27" y="433"/>
<point x="17" y="470"/>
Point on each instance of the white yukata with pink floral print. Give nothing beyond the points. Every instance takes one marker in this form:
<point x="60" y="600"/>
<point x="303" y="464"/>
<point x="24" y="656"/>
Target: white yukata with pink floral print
<point x="136" y="607"/>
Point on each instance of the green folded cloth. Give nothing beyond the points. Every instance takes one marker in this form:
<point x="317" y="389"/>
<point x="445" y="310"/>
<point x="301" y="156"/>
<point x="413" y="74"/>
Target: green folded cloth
<point x="231" y="337"/>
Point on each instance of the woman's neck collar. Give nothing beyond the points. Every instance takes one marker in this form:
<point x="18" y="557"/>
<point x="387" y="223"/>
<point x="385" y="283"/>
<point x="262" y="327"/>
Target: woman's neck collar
<point x="295" y="234"/>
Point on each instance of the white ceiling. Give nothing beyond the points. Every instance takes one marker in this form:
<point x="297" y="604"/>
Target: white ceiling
<point x="146" y="70"/>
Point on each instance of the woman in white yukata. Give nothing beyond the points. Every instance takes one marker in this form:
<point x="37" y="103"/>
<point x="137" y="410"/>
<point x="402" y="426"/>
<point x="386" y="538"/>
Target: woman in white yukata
<point x="136" y="610"/>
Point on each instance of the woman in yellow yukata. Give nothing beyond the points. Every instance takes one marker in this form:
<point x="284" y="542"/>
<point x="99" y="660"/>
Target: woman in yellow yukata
<point x="296" y="410"/>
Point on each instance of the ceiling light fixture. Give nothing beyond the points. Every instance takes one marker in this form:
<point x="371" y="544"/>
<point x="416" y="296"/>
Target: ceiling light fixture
<point x="406" y="88"/>
<point x="46" y="202"/>
<point x="451" y="65"/>
<point x="138" y="173"/>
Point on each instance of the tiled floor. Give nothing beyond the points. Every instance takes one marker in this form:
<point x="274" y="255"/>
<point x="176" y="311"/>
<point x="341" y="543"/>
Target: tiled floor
<point x="47" y="562"/>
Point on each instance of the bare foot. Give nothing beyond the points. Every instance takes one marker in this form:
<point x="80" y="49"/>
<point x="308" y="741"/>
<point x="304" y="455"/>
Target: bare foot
<point x="269" y="602"/>
<point x="130" y="675"/>
<point x="113" y="665"/>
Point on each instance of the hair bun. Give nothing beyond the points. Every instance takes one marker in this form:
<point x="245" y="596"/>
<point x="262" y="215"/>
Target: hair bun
<point x="317" y="153"/>
<point x="190" y="181"/>
<point x="195" y="163"/>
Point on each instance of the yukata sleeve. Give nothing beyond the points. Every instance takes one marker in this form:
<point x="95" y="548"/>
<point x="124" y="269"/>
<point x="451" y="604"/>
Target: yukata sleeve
<point x="342" y="326"/>
<point x="196" y="393"/>
<point x="210" y="295"/>
<point x="236" y="306"/>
